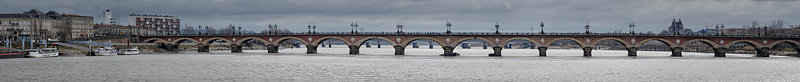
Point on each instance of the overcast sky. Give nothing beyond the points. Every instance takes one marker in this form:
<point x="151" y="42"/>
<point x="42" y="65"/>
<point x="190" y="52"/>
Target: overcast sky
<point x="431" y="15"/>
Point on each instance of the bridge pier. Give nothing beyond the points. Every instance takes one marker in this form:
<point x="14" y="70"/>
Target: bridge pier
<point x="587" y="51"/>
<point x="399" y="50"/>
<point x="676" y="52"/>
<point x="202" y="48"/>
<point x="353" y="49"/>
<point x="720" y="52"/>
<point x="171" y="47"/>
<point x="632" y="51"/>
<point x="448" y="51"/>
<point x="236" y="48"/>
<point x="311" y="49"/>
<point x="542" y="51"/>
<point x="497" y="51"/>
<point x="798" y="52"/>
<point x="272" y="48"/>
<point x="762" y="52"/>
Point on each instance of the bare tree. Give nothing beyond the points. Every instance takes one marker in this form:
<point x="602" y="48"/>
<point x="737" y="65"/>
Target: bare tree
<point x="188" y="30"/>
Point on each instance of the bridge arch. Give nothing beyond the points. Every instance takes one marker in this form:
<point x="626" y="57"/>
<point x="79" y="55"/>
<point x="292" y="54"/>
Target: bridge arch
<point x="207" y="41"/>
<point x="754" y="43"/>
<point x="580" y="43"/>
<point x="279" y="40"/>
<point x="491" y="43"/>
<point x="181" y="40"/>
<point x="792" y="42"/>
<point x="665" y="41"/>
<point x="712" y="43"/>
<point x="360" y="42"/>
<point x="523" y="38"/>
<point x="153" y="40"/>
<point x="250" y="38"/>
<point x="624" y="43"/>
<point x="318" y="41"/>
<point x="405" y="43"/>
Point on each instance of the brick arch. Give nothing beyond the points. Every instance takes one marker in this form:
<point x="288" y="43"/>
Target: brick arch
<point x="251" y="38"/>
<point x="319" y="40"/>
<point x="712" y="43"/>
<point x="492" y="43"/>
<point x="754" y="43"/>
<point x="279" y="40"/>
<point x="177" y="41"/>
<point x="580" y="43"/>
<point x="792" y="42"/>
<point x="155" y="40"/>
<point x="362" y="41"/>
<point x="665" y="41"/>
<point x="405" y="43"/>
<point x="523" y="38"/>
<point x="624" y="43"/>
<point x="207" y="41"/>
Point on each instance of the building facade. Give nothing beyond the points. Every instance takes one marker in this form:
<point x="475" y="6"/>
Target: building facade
<point x="162" y="24"/>
<point x="38" y="25"/>
<point x="677" y="28"/>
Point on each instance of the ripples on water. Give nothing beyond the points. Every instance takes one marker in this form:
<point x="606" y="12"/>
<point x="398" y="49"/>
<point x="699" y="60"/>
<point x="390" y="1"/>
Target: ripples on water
<point x="420" y="65"/>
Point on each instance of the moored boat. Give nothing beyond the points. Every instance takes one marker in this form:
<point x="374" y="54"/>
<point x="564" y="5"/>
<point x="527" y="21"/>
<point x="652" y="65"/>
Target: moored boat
<point x="131" y="51"/>
<point x="45" y="52"/>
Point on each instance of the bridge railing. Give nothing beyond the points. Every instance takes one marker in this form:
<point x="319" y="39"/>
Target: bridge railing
<point x="485" y="33"/>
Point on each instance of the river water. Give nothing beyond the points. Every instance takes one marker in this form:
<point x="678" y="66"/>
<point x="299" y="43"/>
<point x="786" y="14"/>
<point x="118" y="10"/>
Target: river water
<point x="378" y="64"/>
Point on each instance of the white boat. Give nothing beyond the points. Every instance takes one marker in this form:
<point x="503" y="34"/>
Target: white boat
<point x="131" y="51"/>
<point x="46" y="52"/>
<point x="105" y="51"/>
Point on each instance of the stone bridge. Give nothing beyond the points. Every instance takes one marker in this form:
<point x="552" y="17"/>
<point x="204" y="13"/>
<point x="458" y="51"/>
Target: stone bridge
<point x="448" y="41"/>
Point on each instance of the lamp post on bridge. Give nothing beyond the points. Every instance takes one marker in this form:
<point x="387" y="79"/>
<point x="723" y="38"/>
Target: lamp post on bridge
<point x="309" y="28"/>
<point x="542" y="25"/>
<point x="587" y="28"/>
<point x="632" y="26"/>
<point x="497" y="27"/>
<point x="353" y="27"/>
<point x="207" y="33"/>
<point x="399" y="27"/>
<point x="198" y="30"/>
<point x="315" y="28"/>
<point x="723" y="29"/>
<point x="448" y="27"/>
<point x="240" y="30"/>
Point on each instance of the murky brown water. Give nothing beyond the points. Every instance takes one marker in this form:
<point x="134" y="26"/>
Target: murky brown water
<point x="259" y="66"/>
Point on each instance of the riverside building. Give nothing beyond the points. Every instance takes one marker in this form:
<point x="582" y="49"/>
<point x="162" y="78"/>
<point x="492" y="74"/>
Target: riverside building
<point x="162" y="24"/>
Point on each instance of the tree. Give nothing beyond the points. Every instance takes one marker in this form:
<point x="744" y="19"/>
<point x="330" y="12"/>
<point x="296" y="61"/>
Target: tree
<point x="211" y="30"/>
<point x="188" y="30"/>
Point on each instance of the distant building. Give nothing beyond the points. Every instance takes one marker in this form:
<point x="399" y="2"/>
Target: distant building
<point x="677" y="28"/>
<point x="163" y="24"/>
<point x="119" y="30"/>
<point x="107" y="19"/>
<point x="40" y="25"/>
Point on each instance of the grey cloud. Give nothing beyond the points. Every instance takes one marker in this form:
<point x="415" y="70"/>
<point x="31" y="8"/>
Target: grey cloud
<point x="430" y="15"/>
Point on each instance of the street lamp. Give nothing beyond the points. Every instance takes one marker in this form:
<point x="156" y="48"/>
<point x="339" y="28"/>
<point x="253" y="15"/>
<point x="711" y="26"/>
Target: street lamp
<point x="233" y="30"/>
<point x="448" y="27"/>
<point x="240" y="30"/>
<point x="309" y="28"/>
<point x="631" y="26"/>
<point x="542" y="25"/>
<point x="353" y="27"/>
<point x="198" y="30"/>
<point x="587" y="28"/>
<point x="496" y="27"/>
<point x="399" y="27"/>
<point x="315" y="28"/>
<point x="207" y="33"/>
<point x="723" y="29"/>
